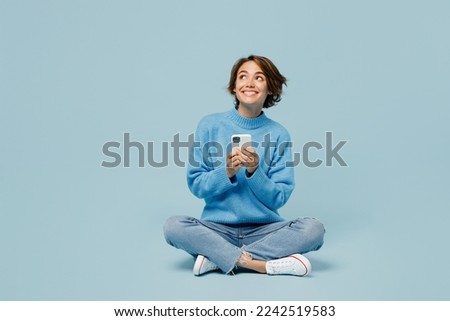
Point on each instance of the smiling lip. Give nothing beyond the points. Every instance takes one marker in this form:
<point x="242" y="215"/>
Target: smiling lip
<point x="249" y="92"/>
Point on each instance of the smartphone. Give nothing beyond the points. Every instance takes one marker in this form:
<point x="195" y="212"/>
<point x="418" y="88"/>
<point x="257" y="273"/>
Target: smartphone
<point x="241" y="141"/>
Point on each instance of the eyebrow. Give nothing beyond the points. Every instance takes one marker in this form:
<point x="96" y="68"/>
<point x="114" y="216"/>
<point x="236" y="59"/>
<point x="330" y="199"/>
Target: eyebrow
<point x="256" y="73"/>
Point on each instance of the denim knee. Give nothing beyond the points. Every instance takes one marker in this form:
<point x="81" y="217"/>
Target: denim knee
<point x="174" y="227"/>
<point x="312" y="229"/>
<point x="314" y="226"/>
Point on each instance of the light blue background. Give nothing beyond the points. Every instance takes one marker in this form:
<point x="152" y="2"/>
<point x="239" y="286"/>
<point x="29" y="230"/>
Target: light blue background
<point x="76" y="74"/>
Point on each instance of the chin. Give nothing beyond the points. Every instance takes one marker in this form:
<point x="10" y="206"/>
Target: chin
<point x="251" y="105"/>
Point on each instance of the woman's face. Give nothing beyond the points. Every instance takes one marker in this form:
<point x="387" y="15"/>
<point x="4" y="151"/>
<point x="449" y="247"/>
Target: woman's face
<point x="251" y="86"/>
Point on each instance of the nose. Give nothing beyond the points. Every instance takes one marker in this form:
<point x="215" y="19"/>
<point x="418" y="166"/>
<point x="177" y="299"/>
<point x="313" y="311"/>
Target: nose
<point x="250" y="83"/>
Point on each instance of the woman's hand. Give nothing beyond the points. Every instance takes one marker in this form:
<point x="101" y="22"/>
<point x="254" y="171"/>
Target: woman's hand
<point x="233" y="163"/>
<point x="248" y="158"/>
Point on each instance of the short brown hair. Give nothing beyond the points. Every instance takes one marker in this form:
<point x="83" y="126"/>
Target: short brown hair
<point x="275" y="80"/>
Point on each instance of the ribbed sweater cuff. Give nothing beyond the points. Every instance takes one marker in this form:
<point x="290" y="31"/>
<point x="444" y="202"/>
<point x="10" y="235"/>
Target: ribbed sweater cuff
<point x="257" y="179"/>
<point x="223" y="181"/>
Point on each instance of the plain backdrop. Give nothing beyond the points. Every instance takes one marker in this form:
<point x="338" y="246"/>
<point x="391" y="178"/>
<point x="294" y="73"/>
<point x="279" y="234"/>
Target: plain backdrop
<point x="75" y="75"/>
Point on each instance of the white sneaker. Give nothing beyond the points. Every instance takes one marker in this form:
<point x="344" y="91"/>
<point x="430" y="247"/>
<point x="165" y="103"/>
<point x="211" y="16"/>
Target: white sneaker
<point x="295" y="264"/>
<point x="203" y="265"/>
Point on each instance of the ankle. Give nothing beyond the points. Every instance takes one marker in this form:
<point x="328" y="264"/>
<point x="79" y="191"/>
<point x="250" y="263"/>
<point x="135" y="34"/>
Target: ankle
<point x="244" y="260"/>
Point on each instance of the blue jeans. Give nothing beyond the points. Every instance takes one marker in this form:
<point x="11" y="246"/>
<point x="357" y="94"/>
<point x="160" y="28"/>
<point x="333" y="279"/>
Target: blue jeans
<point x="224" y="244"/>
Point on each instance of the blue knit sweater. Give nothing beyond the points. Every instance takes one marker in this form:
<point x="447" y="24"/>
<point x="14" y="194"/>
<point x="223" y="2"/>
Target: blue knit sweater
<point x="242" y="199"/>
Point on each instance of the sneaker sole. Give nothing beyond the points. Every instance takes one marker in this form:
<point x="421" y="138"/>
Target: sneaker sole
<point x="198" y="265"/>
<point x="307" y="270"/>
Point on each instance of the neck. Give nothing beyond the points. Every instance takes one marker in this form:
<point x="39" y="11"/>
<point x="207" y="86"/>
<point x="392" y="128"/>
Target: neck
<point x="249" y="111"/>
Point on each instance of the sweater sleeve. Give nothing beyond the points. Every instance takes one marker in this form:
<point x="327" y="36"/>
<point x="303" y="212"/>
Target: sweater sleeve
<point x="206" y="178"/>
<point x="273" y="183"/>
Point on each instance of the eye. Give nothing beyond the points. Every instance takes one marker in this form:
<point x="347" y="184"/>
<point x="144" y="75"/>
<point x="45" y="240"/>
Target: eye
<point x="242" y="76"/>
<point x="261" y="78"/>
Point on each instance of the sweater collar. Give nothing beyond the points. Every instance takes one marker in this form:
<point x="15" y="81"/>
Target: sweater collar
<point x="247" y="123"/>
